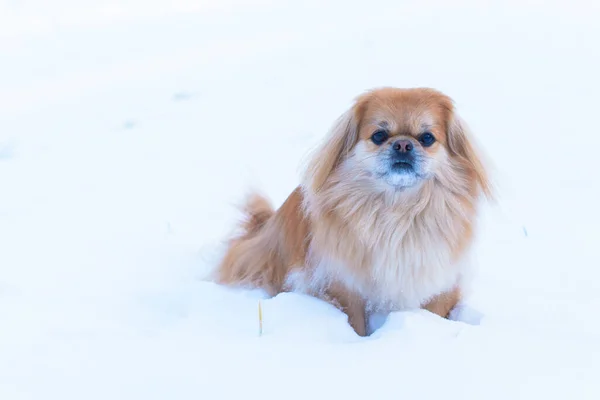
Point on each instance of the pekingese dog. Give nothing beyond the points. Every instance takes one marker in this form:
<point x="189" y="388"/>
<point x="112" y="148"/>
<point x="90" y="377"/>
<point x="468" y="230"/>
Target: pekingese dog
<point x="383" y="219"/>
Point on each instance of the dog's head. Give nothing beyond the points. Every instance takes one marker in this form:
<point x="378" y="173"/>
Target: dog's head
<point x="396" y="139"/>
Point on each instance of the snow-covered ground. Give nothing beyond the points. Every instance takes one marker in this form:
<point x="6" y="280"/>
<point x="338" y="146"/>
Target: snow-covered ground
<point x="129" y="130"/>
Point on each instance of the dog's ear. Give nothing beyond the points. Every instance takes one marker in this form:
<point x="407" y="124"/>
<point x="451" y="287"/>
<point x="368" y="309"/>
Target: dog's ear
<point x="338" y="143"/>
<point x="463" y="146"/>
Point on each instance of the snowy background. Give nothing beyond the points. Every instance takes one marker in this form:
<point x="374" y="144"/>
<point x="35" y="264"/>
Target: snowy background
<point x="130" y="129"/>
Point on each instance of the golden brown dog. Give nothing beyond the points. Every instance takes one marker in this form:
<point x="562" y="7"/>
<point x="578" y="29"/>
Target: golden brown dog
<point x="383" y="219"/>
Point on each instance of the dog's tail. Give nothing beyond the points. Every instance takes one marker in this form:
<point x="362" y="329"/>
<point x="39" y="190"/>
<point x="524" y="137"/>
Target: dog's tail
<point x="249" y="260"/>
<point x="257" y="211"/>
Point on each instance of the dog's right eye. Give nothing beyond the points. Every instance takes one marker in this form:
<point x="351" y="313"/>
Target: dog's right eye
<point x="379" y="137"/>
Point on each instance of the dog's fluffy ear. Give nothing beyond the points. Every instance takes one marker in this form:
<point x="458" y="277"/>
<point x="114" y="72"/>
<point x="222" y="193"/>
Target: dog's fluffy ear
<point x="338" y="143"/>
<point x="463" y="146"/>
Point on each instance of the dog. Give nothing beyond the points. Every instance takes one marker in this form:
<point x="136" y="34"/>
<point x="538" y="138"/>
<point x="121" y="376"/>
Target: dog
<point x="383" y="219"/>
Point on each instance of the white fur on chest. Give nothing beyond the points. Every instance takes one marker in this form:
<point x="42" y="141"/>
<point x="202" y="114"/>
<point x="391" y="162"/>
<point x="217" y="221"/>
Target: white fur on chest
<point x="416" y="264"/>
<point x="409" y="257"/>
<point x="398" y="280"/>
<point x="410" y="274"/>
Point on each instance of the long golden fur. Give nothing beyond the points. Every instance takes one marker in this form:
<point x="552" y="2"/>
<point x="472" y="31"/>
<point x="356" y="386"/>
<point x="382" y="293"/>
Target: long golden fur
<point x="373" y="227"/>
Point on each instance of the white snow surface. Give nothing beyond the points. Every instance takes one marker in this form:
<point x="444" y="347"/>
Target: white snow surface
<point x="130" y="130"/>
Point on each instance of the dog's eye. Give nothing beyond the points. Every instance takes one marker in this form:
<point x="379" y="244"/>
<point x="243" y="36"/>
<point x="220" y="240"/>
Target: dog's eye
<point x="379" y="137"/>
<point x="427" y="139"/>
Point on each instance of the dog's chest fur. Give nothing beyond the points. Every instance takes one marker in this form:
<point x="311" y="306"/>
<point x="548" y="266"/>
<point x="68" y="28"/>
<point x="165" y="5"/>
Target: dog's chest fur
<point x="411" y="268"/>
<point x="395" y="258"/>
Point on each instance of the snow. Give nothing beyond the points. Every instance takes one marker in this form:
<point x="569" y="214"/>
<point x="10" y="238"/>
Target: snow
<point x="129" y="131"/>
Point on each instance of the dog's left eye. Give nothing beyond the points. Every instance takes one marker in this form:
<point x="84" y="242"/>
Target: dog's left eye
<point x="379" y="137"/>
<point x="427" y="139"/>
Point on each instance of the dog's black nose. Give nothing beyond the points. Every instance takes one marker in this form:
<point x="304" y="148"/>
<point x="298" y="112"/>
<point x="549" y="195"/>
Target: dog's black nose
<point x="403" y="146"/>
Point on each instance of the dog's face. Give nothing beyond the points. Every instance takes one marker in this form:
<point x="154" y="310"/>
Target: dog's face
<point x="397" y="139"/>
<point x="401" y="137"/>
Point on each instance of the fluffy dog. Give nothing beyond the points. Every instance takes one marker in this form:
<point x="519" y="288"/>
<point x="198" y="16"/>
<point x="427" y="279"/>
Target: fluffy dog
<point x="383" y="219"/>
